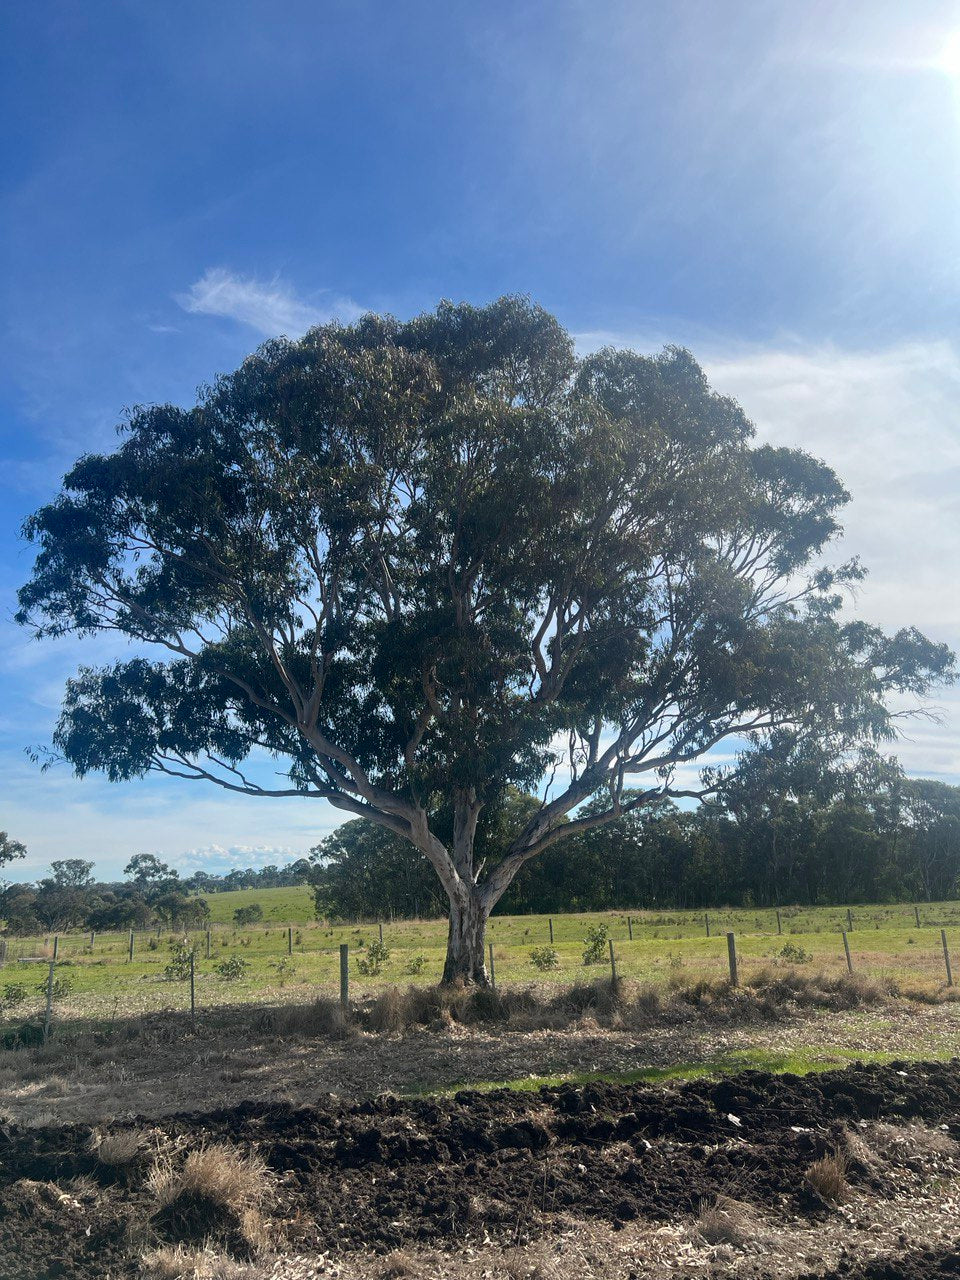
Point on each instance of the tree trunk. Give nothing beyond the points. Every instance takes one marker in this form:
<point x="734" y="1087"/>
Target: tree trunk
<point x="465" y="941"/>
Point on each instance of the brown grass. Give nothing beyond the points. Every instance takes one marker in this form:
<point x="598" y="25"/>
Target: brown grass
<point x="828" y="1177"/>
<point x="217" y="1172"/>
<point x="116" y="1150"/>
<point x="624" y="1005"/>
<point x="174" y="1262"/>
<point x="727" y="1221"/>
<point x="323" y="1017"/>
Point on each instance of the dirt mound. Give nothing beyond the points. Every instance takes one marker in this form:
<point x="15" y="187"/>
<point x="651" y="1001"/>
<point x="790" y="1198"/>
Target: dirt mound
<point x="391" y="1172"/>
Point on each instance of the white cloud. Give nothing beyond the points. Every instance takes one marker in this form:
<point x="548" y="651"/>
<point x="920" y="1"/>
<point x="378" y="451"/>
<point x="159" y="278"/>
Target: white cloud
<point x="886" y="421"/>
<point x="271" y="307"/>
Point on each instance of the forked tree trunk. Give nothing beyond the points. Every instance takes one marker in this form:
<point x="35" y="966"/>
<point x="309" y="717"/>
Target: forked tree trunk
<point x="465" y="941"/>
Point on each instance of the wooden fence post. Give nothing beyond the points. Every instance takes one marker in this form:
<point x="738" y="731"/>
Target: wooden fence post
<point x="381" y="932"/>
<point x="613" y="965"/>
<point x="550" y="923"/>
<point x="849" y="921"/>
<point x="49" y="1013"/>
<point x="193" y="990"/>
<point x="732" y="957"/>
<point x="706" y="920"/>
<point x="93" y="938"/>
<point x="208" y="944"/>
<point x="56" y="945"/>
<point x="493" y="971"/>
<point x="946" y="957"/>
<point x="3" y="952"/>
<point x="846" y="950"/>
<point x="289" y="939"/>
<point x="779" y="922"/>
<point x="130" y="949"/>
<point x="630" y="928"/>
<point x="344" y="976"/>
<point x="916" y="912"/>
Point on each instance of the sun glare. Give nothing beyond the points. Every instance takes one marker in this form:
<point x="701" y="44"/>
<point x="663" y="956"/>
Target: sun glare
<point x="949" y="59"/>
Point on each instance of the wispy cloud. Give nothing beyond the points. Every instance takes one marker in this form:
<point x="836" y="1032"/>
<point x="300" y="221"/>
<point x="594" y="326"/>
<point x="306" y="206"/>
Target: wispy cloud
<point x="270" y="306"/>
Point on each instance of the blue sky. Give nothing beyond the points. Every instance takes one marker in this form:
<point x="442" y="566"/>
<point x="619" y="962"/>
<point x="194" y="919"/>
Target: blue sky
<point x="775" y="185"/>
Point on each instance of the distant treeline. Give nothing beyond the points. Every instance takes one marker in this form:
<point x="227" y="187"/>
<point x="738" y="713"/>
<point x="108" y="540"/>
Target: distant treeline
<point x="70" y="897"/>
<point x="865" y="834"/>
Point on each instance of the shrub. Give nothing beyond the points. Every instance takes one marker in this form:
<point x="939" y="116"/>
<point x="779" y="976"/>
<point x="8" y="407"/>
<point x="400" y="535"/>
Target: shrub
<point x="378" y="953"/>
<point x="60" y="987"/>
<point x="232" y="968"/>
<point x="285" y="969"/>
<point x="416" y="964"/>
<point x="178" y="970"/>
<point x="595" y="944"/>
<point x="249" y="914"/>
<point x="794" y="954"/>
<point x="15" y="993"/>
<point x="544" y="958"/>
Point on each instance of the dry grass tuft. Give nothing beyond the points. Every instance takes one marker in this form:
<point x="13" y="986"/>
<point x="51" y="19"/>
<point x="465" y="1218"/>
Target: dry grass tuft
<point x="218" y="1173"/>
<point x="398" y="1266"/>
<point x="828" y="1177"/>
<point x="323" y="1017"/>
<point x="174" y="1262"/>
<point x="117" y="1150"/>
<point x="727" y="1221"/>
<point x="913" y="1142"/>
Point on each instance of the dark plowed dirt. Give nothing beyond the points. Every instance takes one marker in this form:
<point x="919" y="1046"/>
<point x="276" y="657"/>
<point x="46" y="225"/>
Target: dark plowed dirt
<point x="386" y="1173"/>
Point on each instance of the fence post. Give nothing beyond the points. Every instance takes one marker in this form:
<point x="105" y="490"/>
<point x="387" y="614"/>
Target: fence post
<point x="3" y="952"/>
<point x="56" y="945"/>
<point x="344" y="976"/>
<point x="779" y="922"/>
<point x="550" y="923"/>
<point x="706" y="920"/>
<point x="381" y="932"/>
<point x="732" y="957"/>
<point x="93" y="938"/>
<point x="208" y="944"/>
<point x="49" y="1013"/>
<point x="849" y="921"/>
<point x="630" y="928"/>
<point x="493" y="971"/>
<point x="846" y="950"/>
<point x="613" y="965"/>
<point x="289" y="939"/>
<point x="916" y="912"/>
<point x="193" y="992"/>
<point x="946" y="957"/>
<point x="130" y="950"/>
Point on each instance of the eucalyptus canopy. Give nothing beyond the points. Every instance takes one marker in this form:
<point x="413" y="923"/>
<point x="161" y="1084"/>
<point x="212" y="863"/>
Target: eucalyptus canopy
<point x="423" y="563"/>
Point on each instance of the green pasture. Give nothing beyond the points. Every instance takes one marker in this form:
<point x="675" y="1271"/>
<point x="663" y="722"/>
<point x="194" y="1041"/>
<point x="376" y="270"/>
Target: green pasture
<point x="297" y="961"/>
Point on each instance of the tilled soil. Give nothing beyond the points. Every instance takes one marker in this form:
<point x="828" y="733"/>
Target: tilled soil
<point x="387" y="1173"/>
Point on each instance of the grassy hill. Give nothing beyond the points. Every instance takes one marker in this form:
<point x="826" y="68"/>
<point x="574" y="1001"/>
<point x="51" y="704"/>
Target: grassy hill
<point x="288" y="906"/>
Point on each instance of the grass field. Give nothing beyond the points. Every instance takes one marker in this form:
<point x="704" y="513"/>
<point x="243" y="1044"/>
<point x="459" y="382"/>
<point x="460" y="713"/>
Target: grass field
<point x="296" y="961"/>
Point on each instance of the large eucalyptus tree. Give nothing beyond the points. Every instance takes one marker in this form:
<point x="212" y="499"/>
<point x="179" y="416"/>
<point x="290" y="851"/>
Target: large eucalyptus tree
<point x="422" y="563"/>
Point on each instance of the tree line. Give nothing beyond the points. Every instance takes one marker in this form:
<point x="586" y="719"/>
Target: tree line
<point x="153" y="893"/>
<point x="778" y="832"/>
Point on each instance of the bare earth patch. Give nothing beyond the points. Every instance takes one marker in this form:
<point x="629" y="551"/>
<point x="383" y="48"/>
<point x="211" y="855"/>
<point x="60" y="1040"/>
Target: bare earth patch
<point x="155" y="1067"/>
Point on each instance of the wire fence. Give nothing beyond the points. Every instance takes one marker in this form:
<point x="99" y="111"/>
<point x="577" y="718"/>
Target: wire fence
<point x="89" y="975"/>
